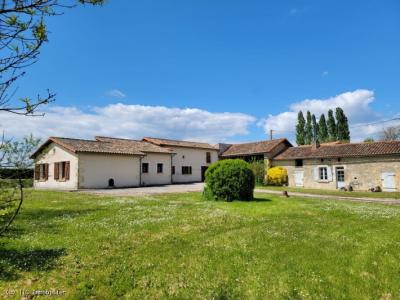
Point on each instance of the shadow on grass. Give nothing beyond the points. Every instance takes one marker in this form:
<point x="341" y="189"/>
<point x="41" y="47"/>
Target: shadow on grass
<point x="13" y="261"/>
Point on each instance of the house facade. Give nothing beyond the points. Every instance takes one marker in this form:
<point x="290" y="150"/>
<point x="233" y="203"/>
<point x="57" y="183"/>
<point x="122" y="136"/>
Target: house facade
<point x="262" y="150"/>
<point x="190" y="159"/>
<point x="361" y="166"/>
<point x="70" y="164"/>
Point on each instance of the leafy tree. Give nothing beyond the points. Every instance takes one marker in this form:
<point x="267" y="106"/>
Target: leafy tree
<point x="23" y="32"/>
<point x="300" y="129"/>
<point x="322" y="129"/>
<point x="342" y="125"/>
<point x="308" y="130"/>
<point x="14" y="155"/>
<point x="332" y="132"/>
<point x="390" y="134"/>
<point x="315" y="128"/>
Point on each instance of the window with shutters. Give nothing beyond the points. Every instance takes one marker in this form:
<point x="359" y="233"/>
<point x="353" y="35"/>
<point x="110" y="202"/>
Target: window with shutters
<point x="208" y="157"/>
<point x="61" y="170"/>
<point x="186" y="170"/>
<point x="159" y="168"/>
<point x="145" y="167"/>
<point x="42" y="172"/>
<point x="323" y="173"/>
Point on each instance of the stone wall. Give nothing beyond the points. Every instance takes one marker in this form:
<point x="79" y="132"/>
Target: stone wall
<point x="361" y="172"/>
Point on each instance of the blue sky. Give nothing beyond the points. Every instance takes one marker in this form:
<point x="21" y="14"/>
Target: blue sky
<point x="243" y="67"/>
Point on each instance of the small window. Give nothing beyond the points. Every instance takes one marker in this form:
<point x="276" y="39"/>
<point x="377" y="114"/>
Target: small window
<point x="159" y="168"/>
<point x="145" y="167"/>
<point x="323" y="173"/>
<point x="173" y="170"/>
<point x="339" y="159"/>
<point x="208" y="157"/>
<point x="186" y="170"/>
<point x="299" y="163"/>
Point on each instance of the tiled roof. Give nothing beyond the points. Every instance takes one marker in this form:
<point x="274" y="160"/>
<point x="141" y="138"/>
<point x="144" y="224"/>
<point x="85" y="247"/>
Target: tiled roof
<point x="90" y="146"/>
<point x="142" y="146"/>
<point x="175" y="143"/>
<point x="253" y="148"/>
<point x="341" y="150"/>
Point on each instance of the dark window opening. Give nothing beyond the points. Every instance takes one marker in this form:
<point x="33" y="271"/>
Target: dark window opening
<point x="159" y="168"/>
<point x="111" y="182"/>
<point x="145" y="167"/>
<point x="173" y="170"/>
<point x="208" y="157"/>
<point x="186" y="170"/>
<point x="298" y="163"/>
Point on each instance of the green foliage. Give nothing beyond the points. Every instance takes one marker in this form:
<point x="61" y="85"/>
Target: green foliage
<point x="230" y="179"/>
<point x="277" y="176"/>
<point x="300" y="129"/>
<point x="315" y="128"/>
<point x="322" y="130"/>
<point x="342" y="125"/>
<point x="332" y="132"/>
<point x="308" y="130"/>
<point x="258" y="168"/>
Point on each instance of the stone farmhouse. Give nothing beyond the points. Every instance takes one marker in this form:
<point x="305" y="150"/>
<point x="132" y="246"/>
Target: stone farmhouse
<point x="340" y="165"/>
<point x="65" y="163"/>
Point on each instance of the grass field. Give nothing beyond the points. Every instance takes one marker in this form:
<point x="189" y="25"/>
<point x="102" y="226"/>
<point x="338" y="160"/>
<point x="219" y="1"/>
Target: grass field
<point x="392" y="195"/>
<point x="178" y="246"/>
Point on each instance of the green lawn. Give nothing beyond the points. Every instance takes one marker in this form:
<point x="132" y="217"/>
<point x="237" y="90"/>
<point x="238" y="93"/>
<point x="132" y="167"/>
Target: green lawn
<point x="178" y="246"/>
<point x="393" y="195"/>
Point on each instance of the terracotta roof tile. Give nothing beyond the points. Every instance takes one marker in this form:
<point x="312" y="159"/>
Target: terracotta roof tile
<point x="142" y="146"/>
<point x="253" y="148"/>
<point x="341" y="150"/>
<point x="91" y="146"/>
<point x="176" y="143"/>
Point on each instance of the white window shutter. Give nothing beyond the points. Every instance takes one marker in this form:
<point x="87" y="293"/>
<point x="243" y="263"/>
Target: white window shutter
<point x="316" y="173"/>
<point x="329" y="169"/>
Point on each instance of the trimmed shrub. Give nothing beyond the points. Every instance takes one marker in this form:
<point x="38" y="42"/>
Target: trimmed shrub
<point x="258" y="168"/>
<point x="230" y="179"/>
<point x="277" y="176"/>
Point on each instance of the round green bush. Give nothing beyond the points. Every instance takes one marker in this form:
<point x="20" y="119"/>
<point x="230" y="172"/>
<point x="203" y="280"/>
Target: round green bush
<point x="229" y="179"/>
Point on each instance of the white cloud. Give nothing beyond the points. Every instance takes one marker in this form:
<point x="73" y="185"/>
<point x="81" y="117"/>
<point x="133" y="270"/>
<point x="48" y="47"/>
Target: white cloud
<point x="356" y="104"/>
<point x="130" y="121"/>
<point x="115" y="94"/>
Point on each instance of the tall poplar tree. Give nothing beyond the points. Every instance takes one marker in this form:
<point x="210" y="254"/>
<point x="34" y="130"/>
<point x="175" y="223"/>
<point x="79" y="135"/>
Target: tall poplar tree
<point x="314" y="128"/>
<point x="342" y="125"/>
<point x="300" y="128"/>
<point x="332" y="132"/>
<point x="322" y="129"/>
<point x="308" y="129"/>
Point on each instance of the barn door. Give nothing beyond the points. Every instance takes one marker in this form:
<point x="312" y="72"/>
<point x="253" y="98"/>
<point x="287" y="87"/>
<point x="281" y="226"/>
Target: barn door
<point x="388" y="181"/>
<point x="299" y="178"/>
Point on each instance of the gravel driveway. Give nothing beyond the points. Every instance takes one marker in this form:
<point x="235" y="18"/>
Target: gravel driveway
<point x="163" y="189"/>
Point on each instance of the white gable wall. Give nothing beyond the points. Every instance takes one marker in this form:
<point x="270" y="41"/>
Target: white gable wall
<point x="96" y="169"/>
<point x="194" y="157"/>
<point x="53" y="154"/>
<point x="152" y="177"/>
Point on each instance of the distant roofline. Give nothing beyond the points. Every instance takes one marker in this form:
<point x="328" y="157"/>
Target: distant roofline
<point x="337" y="145"/>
